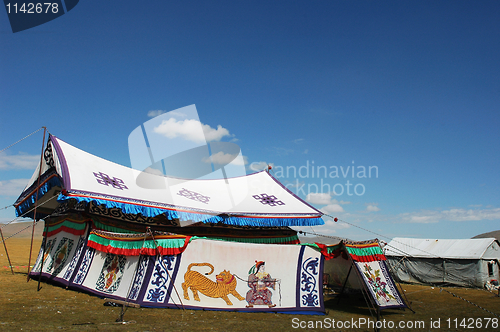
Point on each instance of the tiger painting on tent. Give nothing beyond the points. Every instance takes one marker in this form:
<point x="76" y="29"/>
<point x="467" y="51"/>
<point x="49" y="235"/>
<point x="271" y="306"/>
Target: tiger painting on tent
<point x="224" y="285"/>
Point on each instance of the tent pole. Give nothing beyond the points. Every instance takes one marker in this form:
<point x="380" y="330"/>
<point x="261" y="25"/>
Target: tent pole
<point x="378" y="319"/>
<point x="345" y="283"/>
<point x="366" y="294"/>
<point x="5" y="246"/>
<point x="36" y="202"/>
<point x="126" y="303"/>
<point x="161" y="263"/>
<point x="46" y="230"/>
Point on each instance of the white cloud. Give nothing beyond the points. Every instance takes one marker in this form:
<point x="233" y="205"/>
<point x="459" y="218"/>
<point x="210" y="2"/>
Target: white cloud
<point x="191" y="130"/>
<point x="332" y="208"/>
<point x="330" y="227"/>
<point x="324" y="199"/>
<point x="222" y="158"/>
<point x="319" y="198"/>
<point x="18" y="161"/>
<point x="12" y="187"/>
<point x="259" y="166"/>
<point x="215" y="134"/>
<point x="296" y="184"/>
<point x="155" y="113"/>
<point x="298" y="140"/>
<point x="281" y="151"/>
<point x="372" y="207"/>
<point x="427" y="216"/>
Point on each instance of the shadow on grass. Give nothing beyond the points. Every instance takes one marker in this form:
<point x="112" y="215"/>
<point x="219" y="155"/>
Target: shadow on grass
<point x="348" y="303"/>
<point x="355" y="304"/>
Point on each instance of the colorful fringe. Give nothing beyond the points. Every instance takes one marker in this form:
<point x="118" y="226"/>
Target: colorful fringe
<point x="137" y="244"/>
<point x="266" y="240"/>
<point x="330" y="252"/>
<point x="367" y="251"/>
<point x="152" y="211"/>
<point x="68" y="225"/>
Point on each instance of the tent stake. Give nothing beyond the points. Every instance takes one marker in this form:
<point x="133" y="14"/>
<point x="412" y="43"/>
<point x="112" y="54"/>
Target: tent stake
<point x="36" y="203"/>
<point x="5" y="246"/>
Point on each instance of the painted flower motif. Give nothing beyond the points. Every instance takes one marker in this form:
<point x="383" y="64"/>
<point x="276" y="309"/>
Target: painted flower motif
<point x="378" y="286"/>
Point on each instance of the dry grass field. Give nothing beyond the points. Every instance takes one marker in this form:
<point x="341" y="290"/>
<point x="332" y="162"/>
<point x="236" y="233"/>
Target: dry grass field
<point x="52" y="308"/>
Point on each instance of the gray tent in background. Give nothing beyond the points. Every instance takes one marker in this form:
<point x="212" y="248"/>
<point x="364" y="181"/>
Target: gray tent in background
<point x="468" y="262"/>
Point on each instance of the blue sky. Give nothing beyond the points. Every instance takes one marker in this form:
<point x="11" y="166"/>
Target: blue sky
<point x="411" y="88"/>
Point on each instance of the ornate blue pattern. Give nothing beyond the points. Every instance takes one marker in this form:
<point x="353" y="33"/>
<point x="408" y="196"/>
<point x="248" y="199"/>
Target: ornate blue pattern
<point x="309" y="280"/>
<point x="111" y="273"/>
<point x="84" y="266"/>
<point x="139" y="277"/>
<point x="43" y="254"/>
<point x="161" y="276"/>
<point x="152" y="209"/>
<point x="60" y="256"/>
<point x="76" y="256"/>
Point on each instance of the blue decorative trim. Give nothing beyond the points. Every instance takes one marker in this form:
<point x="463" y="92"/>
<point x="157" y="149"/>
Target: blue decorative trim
<point x="297" y="281"/>
<point x="174" y="277"/>
<point x="309" y="280"/>
<point x="84" y="266"/>
<point x="140" y="276"/>
<point x="271" y="222"/>
<point x="198" y="217"/>
<point x="147" y="278"/>
<point x="161" y="274"/>
<point x="42" y="190"/>
<point x="76" y="258"/>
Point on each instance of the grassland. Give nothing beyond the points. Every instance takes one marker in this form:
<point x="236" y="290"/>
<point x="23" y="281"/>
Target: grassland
<point x="52" y="308"/>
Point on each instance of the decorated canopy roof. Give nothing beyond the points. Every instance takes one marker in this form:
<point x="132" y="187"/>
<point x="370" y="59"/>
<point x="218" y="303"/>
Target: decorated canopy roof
<point x="255" y="200"/>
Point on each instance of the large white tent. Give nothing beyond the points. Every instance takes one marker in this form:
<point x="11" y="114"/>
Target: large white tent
<point x="158" y="241"/>
<point x="464" y="262"/>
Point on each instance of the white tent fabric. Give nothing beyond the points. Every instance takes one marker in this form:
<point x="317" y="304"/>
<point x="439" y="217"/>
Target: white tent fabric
<point x="208" y="274"/>
<point x="441" y="248"/>
<point x="463" y="262"/>
<point x="257" y="199"/>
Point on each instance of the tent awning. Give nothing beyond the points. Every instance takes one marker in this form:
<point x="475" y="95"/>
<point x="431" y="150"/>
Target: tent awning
<point x="255" y="200"/>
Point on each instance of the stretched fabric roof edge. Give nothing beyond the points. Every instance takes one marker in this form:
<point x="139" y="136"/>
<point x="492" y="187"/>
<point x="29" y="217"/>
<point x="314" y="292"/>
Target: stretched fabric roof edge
<point x="68" y="162"/>
<point x="438" y="248"/>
